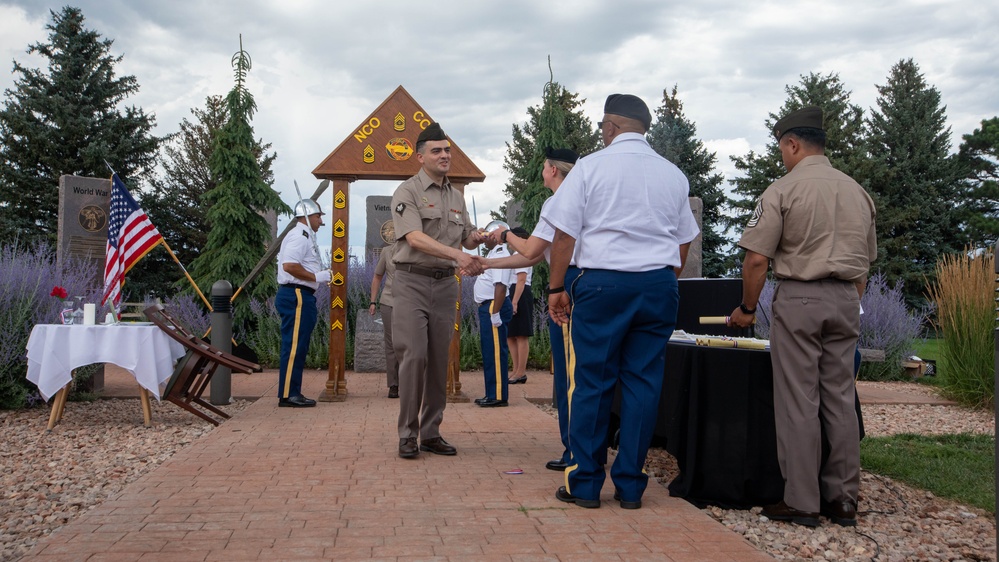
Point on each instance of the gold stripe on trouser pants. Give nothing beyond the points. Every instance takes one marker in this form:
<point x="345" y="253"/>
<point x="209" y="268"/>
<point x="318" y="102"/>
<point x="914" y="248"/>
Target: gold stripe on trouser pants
<point x="294" y="344"/>
<point x="570" y="371"/>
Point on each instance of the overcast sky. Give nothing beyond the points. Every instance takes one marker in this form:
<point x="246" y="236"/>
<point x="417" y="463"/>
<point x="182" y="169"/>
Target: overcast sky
<point x="321" y="67"/>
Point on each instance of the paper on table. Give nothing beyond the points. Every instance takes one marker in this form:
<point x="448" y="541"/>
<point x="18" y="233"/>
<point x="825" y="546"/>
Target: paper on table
<point x="741" y="343"/>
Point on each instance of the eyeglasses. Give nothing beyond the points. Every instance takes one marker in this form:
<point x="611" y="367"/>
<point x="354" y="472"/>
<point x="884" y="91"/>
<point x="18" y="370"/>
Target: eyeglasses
<point x="600" y="124"/>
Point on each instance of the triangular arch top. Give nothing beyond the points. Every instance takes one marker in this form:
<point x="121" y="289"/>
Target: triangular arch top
<point x="383" y="147"/>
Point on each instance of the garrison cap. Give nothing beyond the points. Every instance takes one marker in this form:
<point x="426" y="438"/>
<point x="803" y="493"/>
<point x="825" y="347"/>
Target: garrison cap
<point x="561" y="154"/>
<point x="433" y="132"/>
<point x="627" y="105"/>
<point x="810" y="116"/>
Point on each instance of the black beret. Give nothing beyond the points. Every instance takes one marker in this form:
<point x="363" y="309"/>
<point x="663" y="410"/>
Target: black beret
<point x="561" y="154"/>
<point x="433" y="132"/>
<point x="810" y="116"/>
<point x="627" y="105"/>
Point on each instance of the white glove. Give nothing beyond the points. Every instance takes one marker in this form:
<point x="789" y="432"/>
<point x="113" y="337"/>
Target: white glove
<point x="495" y="320"/>
<point x="323" y="276"/>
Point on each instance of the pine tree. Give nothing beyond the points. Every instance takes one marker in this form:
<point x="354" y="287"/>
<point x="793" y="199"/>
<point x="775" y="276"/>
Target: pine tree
<point x="914" y="182"/>
<point x="844" y="125"/>
<point x="67" y="120"/>
<point x="175" y="201"/>
<point x="239" y="232"/>
<point x="673" y="136"/>
<point x="979" y="160"/>
<point x="557" y="123"/>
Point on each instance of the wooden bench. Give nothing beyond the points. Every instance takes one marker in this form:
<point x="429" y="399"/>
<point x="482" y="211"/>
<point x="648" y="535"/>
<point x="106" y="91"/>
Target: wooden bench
<point x="194" y="371"/>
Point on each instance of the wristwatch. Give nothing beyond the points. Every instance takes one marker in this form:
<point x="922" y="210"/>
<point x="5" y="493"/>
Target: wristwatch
<point x="555" y="290"/>
<point x="745" y="309"/>
<point x="503" y="236"/>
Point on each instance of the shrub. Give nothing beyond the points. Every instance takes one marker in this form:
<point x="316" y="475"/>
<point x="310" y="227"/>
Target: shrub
<point x="27" y="276"/>
<point x="963" y="295"/>
<point x="887" y="324"/>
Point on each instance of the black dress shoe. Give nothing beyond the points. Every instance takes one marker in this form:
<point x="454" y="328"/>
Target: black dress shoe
<point x="783" y="512"/>
<point x="408" y="448"/>
<point x="557" y="464"/>
<point x="438" y="446"/>
<point x="518" y="380"/>
<point x="563" y="495"/>
<point x="625" y="504"/>
<point x="481" y="400"/>
<point x="493" y="403"/>
<point x="298" y="401"/>
<point x="842" y="513"/>
<point x="393" y="391"/>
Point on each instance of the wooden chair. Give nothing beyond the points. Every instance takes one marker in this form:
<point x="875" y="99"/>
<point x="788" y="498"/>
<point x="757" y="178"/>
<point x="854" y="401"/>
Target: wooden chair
<point x="194" y="371"/>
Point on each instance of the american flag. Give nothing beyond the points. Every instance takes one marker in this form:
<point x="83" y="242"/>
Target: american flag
<point x="131" y="235"/>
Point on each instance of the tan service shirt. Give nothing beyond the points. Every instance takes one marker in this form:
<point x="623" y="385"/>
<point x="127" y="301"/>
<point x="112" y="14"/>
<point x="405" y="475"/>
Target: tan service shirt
<point x="386" y="268"/>
<point x="419" y="204"/>
<point x="814" y="223"/>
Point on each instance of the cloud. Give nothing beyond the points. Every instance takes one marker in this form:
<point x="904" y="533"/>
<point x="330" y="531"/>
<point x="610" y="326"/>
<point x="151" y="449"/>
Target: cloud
<point x="320" y="67"/>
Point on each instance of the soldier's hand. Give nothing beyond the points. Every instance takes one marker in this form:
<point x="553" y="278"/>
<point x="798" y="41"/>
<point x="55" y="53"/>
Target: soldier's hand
<point x="469" y="264"/>
<point x="558" y="308"/>
<point x="739" y="319"/>
<point x="497" y="235"/>
<point x="324" y="276"/>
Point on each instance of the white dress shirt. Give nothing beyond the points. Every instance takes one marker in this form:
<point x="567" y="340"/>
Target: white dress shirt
<point x="626" y="206"/>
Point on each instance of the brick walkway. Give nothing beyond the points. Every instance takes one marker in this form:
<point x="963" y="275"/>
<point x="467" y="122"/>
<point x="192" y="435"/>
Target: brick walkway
<point x="326" y="483"/>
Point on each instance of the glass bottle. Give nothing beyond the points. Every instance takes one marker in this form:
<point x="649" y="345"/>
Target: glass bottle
<point x="78" y="310"/>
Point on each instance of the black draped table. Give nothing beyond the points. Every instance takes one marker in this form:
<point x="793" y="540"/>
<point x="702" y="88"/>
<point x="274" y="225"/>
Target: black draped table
<point x="716" y="414"/>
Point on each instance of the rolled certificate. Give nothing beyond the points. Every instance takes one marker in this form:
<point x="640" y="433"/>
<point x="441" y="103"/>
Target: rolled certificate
<point x="716" y="319"/>
<point x="89" y="314"/>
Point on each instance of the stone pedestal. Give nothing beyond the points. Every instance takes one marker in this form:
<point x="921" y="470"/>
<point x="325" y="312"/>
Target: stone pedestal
<point x="369" y="343"/>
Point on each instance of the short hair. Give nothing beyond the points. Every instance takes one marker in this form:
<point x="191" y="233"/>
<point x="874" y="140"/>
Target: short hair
<point x="811" y="136"/>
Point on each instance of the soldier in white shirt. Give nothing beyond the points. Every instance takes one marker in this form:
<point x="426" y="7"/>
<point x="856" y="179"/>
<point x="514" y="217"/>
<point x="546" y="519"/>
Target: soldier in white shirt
<point x="299" y="274"/>
<point x="495" y="311"/>
<point x="622" y="214"/>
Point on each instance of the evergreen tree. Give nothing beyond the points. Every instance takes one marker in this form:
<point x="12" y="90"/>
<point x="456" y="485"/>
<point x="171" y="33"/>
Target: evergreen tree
<point x="67" y="120"/>
<point x="175" y="201"/>
<point x="914" y="182"/>
<point x="673" y="136"/>
<point x="979" y="160"/>
<point x="844" y="125"/>
<point x="239" y="232"/>
<point x="557" y="123"/>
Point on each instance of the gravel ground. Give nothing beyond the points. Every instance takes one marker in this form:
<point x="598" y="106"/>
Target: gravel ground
<point x="46" y="479"/>
<point x="98" y="448"/>
<point x="896" y="522"/>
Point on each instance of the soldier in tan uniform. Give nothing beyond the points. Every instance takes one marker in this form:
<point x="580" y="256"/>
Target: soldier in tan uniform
<point x="385" y="271"/>
<point x="431" y="225"/>
<point x="815" y="226"/>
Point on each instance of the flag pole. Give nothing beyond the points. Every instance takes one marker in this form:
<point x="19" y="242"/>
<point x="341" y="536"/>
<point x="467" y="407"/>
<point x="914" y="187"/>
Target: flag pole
<point x="188" y="275"/>
<point x="115" y="313"/>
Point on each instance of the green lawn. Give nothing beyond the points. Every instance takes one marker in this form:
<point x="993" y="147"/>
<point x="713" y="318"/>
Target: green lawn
<point x="959" y="467"/>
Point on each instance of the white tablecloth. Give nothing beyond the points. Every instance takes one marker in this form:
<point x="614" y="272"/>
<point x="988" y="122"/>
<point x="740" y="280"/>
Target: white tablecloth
<point x="54" y="350"/>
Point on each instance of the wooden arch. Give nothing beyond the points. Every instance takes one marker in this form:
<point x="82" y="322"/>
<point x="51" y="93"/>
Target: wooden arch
<point x="382" y="147"/>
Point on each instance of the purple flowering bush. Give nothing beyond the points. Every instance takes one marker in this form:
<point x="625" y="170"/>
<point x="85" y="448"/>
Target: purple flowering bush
<point x="886" y="324"/>
<point x="889" y="325"/>
<point x="27" y="276"/>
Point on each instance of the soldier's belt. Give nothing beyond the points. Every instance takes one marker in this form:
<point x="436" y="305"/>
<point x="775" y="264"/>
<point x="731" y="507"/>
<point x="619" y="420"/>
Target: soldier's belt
<point x="436" y="273"/>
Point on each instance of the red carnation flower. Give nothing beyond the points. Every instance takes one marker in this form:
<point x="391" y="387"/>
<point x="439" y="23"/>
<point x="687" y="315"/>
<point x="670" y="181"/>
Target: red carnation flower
<point x="59" y="293"/>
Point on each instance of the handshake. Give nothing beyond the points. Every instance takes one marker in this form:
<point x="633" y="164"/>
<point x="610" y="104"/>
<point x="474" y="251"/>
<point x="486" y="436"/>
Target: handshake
<point x="473" y="265"/>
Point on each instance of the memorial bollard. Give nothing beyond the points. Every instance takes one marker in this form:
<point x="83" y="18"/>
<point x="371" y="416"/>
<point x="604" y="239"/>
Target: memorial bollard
<point x="221" y="385"/>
